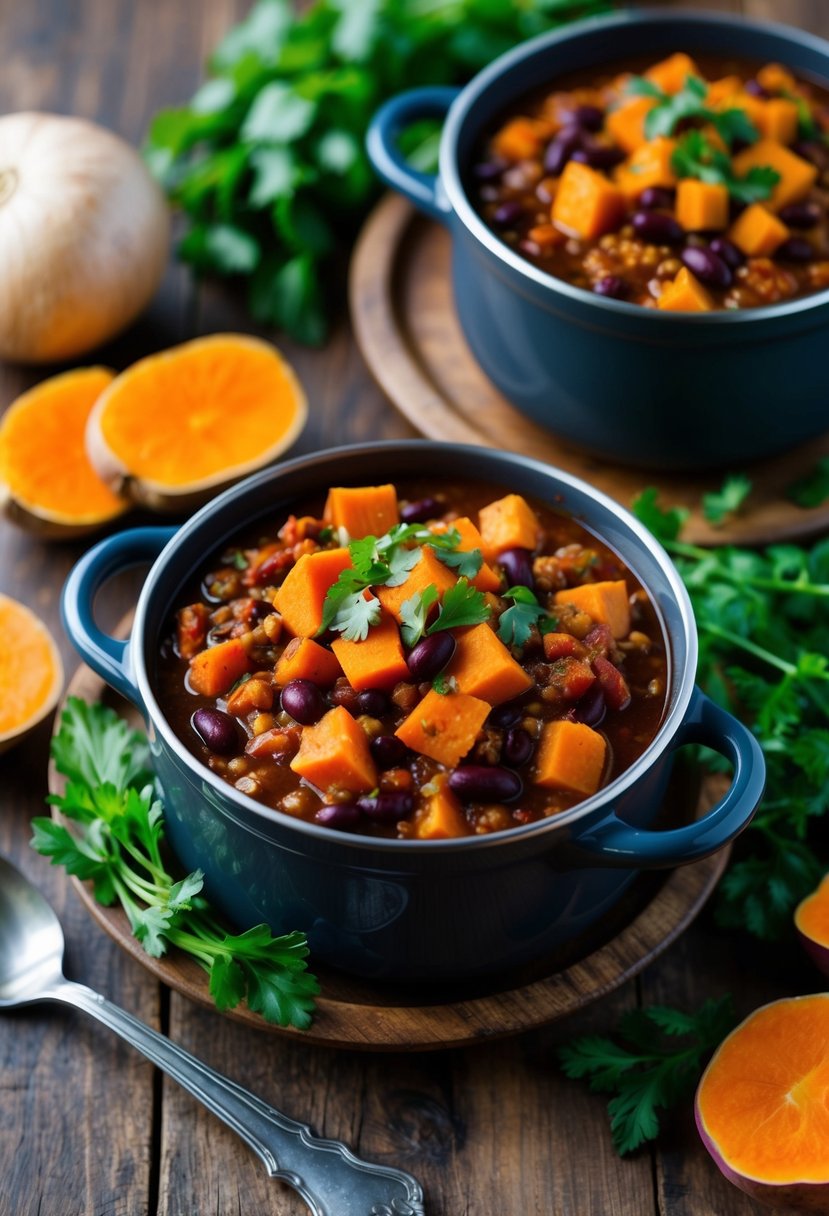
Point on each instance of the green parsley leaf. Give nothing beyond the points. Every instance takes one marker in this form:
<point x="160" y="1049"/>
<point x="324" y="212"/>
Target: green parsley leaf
<point x="467" y="562"/>
<point x="401" y="563"/>
<point x="516" y="623"/>
<point x="665" y="524"/>
<point x="813" y="489"/>
<point x="696" y="156"/>
<point x="445" y="685"/>
<point x="462" y="605"/>
<point x="719" y="505"/>
<point x="689" y="103"/>
<point x="355" y="616"/>
<point x="325" y="534"/>
<point x="414" y="612"/>
<point x="807" y="127"/>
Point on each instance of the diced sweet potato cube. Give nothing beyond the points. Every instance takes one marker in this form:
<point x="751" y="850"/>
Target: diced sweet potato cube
<point x="587" y="204"/>
<point x="362" y="510"/>
<point x="250" y="695"/>
<point x="774" y="78"/>
<point x="214" y="671"/>
<point x="301" y="596"/>
<point x="444" y="727"/>
<point x="650" y="165"/>
<point x="780" y="120"/>
<point x="508" y="523"/>
<point x="722" y="90"/>
<point x="486" y="579"/>
<point x="429" y="569"/>
<point x="671" y="74"/>
<point x="440" y="816"/>
<point x="757" y="232"/>
<point x="335" y="752"/>
<point x="483" y="667"/>
<point x="376" y="662"/>
<point x="626" y="124"/>
<point x="521" y="138"/>
<point x="685" y="294"/>
<point x="701" y="206"/>
<point x="305" y="659"/>
<point x="797" y="176"/>
<point x="605" y="602"/>
<point x="570" y="757"/>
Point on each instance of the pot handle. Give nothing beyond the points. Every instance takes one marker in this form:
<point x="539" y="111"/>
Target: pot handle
<point x="423" y="189"/>
<point x="107" y="656"/>
<point x="612" y="842"/>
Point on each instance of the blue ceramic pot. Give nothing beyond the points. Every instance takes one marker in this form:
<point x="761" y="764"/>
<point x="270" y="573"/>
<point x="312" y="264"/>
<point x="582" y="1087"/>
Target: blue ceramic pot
<point x="656" y="389"/>
<point x="434" y="910"/>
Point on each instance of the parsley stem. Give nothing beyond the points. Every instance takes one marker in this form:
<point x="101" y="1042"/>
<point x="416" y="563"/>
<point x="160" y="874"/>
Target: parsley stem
<point x="759" y="652"/>
<point x="682" y="549"/>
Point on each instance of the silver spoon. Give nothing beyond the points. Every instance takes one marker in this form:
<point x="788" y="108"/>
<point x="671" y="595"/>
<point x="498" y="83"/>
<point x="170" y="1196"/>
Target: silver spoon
<point x="331" y="1180"/>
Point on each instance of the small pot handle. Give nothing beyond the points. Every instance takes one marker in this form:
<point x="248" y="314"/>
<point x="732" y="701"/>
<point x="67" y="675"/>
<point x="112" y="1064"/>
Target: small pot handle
<point x="423" y="189"/>
<point x="107" y="656"/>
<point x="612" y="842"/>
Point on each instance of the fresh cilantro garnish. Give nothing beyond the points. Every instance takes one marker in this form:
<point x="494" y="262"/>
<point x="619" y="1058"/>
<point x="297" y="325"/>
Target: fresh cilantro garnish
<point x="807" y="127"/>
<point x="355" y="616"/>
<point x="813" y="489"/>
<point x="719" y="505"/>
<point x="461" y="605"/>
<point x="657" y="1064"/>
<point x="445" y="685"/>
<point x="115" y="843"/>
<point x="665" y="524"/>
<point x="325" y="534"/>
<point x="696" y="156"/>
<point x="689" y="103"/>
<point x="516" y="623"/>
<point x="239" y="560"/>
<point x="414" y="612"/>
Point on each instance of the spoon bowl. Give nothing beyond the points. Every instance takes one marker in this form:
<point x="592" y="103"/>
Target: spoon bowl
<point x="31" y="940"/>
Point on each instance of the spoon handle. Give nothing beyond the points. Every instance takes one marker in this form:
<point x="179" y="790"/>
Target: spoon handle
<point x="331" y="1180"/>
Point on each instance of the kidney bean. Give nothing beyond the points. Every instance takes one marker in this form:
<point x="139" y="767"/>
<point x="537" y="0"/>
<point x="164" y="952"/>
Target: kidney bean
<point x="589" y="118"/>
<point x="372" y="702"/>
<point x="489" y="170"/>
<point x="655" y="198"/>
<point x="517" y="564"/>
<point x="507" y="214"/>
<point x="217" y="730"/>
<point x="727" y="251"/>
<point x="505" y="715"/>
<point x="422" y="509"/>
<point x="303" y="700"/>
<point x="482" y="783"/>
<point x="388" y="751"/>
<point x="430" y="655"/>
<point x="657" y="228"/>
<point x="612" y="682"/>
<point x="342" y="815"/>
<point x="518" y="747"/>
<point x="800" y="215"/>
<point x="707" y="266"/>
<point x="599" y="156"/>
<point x="612" y="286"/>
<point x="561" y="148"/>
<point x="387" y="807"/>
<point x="795" y="249"/>
<point x="591" y="708"/>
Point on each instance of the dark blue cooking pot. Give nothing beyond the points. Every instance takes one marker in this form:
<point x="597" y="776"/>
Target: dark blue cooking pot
<point x="656" y="389"/>
<point x="433" y="910"/>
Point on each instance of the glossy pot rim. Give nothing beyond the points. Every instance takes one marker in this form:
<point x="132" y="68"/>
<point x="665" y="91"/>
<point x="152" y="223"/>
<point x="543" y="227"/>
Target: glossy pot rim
<point x="175" y="550"/>
<point x="461" y="113"/>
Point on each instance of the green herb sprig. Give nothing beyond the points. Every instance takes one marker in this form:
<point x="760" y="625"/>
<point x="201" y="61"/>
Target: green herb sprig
<point x="696" y="156"/>
<point x="689" y="103"/>
<point x="516" y="623"/>
<point x="462" y="605"/>
<point x="812" y="489"/>
<point x="115" y="842"/>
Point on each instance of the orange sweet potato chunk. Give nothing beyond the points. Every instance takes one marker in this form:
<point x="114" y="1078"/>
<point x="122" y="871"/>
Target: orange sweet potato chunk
<point x="483" y="667"/>
<point x="486" y="579"/>
<point x="362" y="510"/>
<point x="521" y="138"/>
<point x="722" y="90"/>
<point x="444" y="727"/>
<point x="440" y="815"/>
<point x="587" y="204"/>
<point x="429" y="569"/>
<point x="626" y="124"/>
<point x="300" y="598"/>
<point x="757" y="232"/>
<point x="214" y="671"/>
<point x="570" y="757"/>
<point x="650" y="165"/>
<point x="508" y="523"/>
<point x="335" y="752"/>
<point x="376" y="662"/>
<point x="701" y="206"/>
<point x="671" y="74"/>
<point x="685" y="294"/>
<point x="797" y="176"/>
<point x="606" y="602"/>
<point x="780" y="120"/>
<point x="305" y="659"/>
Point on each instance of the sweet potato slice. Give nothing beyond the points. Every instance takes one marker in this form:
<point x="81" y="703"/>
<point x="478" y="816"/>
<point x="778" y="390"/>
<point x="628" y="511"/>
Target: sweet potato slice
<point x="214" y="671"/>
<point x="300" y="598"/>
<point x="685" y="294"/>
<point x="587" y="204"/>
<point x="429" y="569"/>
<point x="701" y="206"/>
<point x="626" y="124"/>
<point x="376" y="662"/>
<point x="797" y="176"/>
<point x="440" y="816"/>
<point x="757" y="232"/>
<point x="334" y="753"/>
<point x="508" y="523"/>
<point x="570" y="757"/>
<point x="521" y="138"/>
<point x="606" y="602"/>
<point x="483" y="667"/>
<point x="671" y="74"/>
<point x="362" y="510"/>
<point x="305" y="659"/>
<point x="444" y="727"/>
<point x="650" y="165"/>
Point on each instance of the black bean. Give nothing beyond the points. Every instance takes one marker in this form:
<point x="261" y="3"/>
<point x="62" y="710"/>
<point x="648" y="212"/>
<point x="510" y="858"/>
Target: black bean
<point x="431" y="654"/>
<point x="343" y="815"/>
<point x="517" y="564"/>
<point x="612" y="286"/>
<point x="800" y="215"/>
<point x="506" y="215"/>
<point x="372" y="702"/>
<point x="657" y="228"/>
<point x="656" y="198"/>
<point x="561" y="148"/>
<point x="303" y="700"/>
<point x="217" y="730"/>
<point x="518" y="747"/>
<point x="387" y="808"/>
<point x="388" y="751"/>
<point x="728" y="251"/>
<point x="795" y="249"/>
<point x="708" y="267"/>
<point x="482" y="783"/>
<point x="423" y="509"/>
<point x="599" y="156"/>
<point x="590" y="709"/>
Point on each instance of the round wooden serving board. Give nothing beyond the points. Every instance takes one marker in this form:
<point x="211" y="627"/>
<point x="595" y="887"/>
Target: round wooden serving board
<point x="405" y="323"/>
<point x="354" y="1013"/>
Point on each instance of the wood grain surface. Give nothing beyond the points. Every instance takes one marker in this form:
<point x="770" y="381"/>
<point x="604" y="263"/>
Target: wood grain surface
<point x="86" y="1127"/>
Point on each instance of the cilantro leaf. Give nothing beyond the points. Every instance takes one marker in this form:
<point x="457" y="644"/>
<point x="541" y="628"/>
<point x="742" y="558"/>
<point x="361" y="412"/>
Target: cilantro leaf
<point x="467" y="562"/>
<point x="516" y="623"/>
<point x="666" y="524"/>
<point x="689" y="103"/>
<point x="813" y="489"/>
<point x="401" y="562"/>
<point x="696" y="156"/>
<point x="414" y="612"/>
<point x="718" y="505"/>
<point x="462" y="605"/>
<point x="355" y="616"/>
<point x="444" y="685"/>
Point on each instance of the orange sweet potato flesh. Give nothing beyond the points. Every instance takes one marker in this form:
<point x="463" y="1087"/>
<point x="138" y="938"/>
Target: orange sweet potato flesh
<point x="671" y="74"/>
<point x="376" y="662"/>
<point x="362" y="510"/>
<point x="215" y="670"/>
<point x="570" y="757"/>
<point x="701" y="206"/>
<point x="650" y="165"/>
<point x="444" y="727"/>
<point x="797" y="175"/>
<point x="586" y="204"/>
<point x="300" y="598"/>
<point x="440" y="816"/>
<point x="428" y="570"/>
<point x="606" y="602"/>
<point x="483" y="667"/>
<point x="305" y="659"/>
<point x="757" y="232"/>
<point x="626" y="124"/>
<point x="334" y="753"/>
<point x="486" y="579"/>
<point x="521" y="138"/>
<point x="685" y="294"/>
<point x="508" y="523"/>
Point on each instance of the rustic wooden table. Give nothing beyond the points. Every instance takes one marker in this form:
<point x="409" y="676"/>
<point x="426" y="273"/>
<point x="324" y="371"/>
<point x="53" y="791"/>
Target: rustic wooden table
<point x="87" y="1128"/>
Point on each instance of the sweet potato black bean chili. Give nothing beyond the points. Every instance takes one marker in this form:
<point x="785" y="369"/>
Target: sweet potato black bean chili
<point x="396" y="668"/>
<point x="679" y="188"/>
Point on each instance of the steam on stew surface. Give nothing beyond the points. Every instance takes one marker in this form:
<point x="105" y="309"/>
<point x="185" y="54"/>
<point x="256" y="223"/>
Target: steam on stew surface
<point x="686" y="186"/>
<point x="417" y="664"/>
